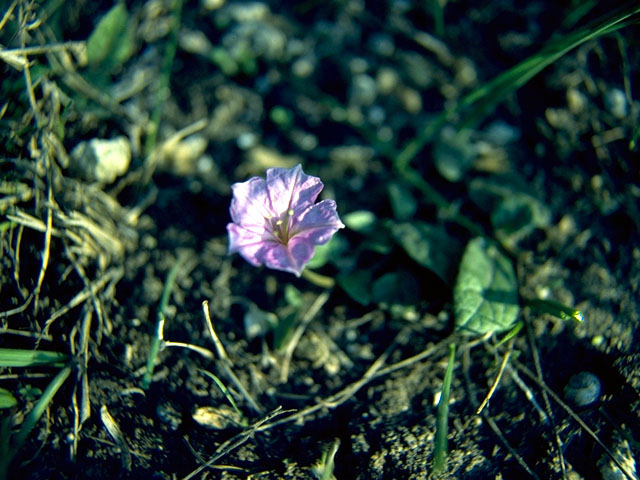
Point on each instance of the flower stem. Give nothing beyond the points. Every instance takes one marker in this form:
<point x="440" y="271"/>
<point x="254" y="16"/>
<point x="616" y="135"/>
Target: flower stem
<point x="318" y="279"/>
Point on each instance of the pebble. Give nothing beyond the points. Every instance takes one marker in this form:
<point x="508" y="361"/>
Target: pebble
<point x="576" y="101"/>
<point x="363" y="90"/>
<point x="583" y="389"/>
<point x="303" y="67"/>
<point x="616" y="102"/>
<point x="382" y="44"/>
<point x="101" y="160"/>
<point x="387" y="80"/>
<point x="217" y="418"/>
<point x="411" y="100"/>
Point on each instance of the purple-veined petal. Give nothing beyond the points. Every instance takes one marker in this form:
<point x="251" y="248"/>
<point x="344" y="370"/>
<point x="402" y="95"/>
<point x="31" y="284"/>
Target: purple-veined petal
<point x="292" y="189"/>
<point x="289" y="258"/>
<point x="276" y="223"/>
<point x="244" y="241"/>
<point x="317" y="224"/>
<point x="250" y="204"/>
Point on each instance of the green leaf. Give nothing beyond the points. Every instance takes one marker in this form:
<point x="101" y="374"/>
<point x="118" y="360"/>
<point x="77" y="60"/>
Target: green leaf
<point x="429" y="245"/>
<point x="396" y="288"/>
<point x="485" y="296"/>
<point x="356" y="285"/>
<point x="293" y="296"/>
<point x="514" y="212"/>
<point x="112" y="42"/>
<point x="12" y="357"/>
<point x="442" y="416"/>
<point x="403" y="203"/>
<point x="454" y="153"/>
<point x="331" y="251"/>
<point x="518" y="216"/>
<point x="7" y="400"/>
<point x="360" y="220"/>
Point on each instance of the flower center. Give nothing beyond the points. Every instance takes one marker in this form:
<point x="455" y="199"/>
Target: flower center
<point x="281" y="226"/>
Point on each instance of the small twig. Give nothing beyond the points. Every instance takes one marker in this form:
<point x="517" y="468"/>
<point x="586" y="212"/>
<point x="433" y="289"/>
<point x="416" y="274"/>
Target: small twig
<point x="7" y="14"/>
<point x="85" y="294"/>
<point x="115" y="432"/>
<point x="205" y="352"/>
<point x="310" y="314"/>
<point x="466" y="361"/>
<point x="559" y="447"/>
<point x="47" y="245"/>
<point x="346" y="393"/>
<point x="226" y="364"/>
<point x="40" y="49"/>
<point x="522" y="368"/>
<point x="237" y="440"/>
<point x="496" y="381"/>
<point x="222" y="354"/>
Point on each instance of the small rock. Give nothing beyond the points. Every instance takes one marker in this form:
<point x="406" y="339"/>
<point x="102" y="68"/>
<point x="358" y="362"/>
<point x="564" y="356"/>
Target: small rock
<point x="217" y="418"/>
<point x="576" y="101"/>
<point x="616" y="102"/>
<point x="583" y="389"/>
<point x="363" y="90"/>
<point x="101" y="160"/>
<point x="387" y="80"/>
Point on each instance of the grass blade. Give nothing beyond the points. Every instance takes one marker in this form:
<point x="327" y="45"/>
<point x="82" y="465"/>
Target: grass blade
<point x="482" y="101"/>
<point x="442" y="416"/>
<point x="13" y="357"/>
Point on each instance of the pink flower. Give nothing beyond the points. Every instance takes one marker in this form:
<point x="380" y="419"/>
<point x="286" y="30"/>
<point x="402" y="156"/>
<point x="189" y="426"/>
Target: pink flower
<point x="277" y="223"/>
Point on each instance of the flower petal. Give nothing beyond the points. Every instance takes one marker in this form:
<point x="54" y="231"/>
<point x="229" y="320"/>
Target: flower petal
<point x="246" y="242"/>
<point x="317" y="224"/>
<point x="250" y="204"/>
<point x="292" y="189"/>
<point x="289" y="258"/>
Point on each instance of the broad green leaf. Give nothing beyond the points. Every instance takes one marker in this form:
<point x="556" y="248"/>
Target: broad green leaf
<point x="514" y="211"/>
<point x="403" y="203"/>
<point x="485" y="297"/>
<point x="329" y="252"/>
<point x="357" y="285"/>
<point x="111" y="43"/>
<point x="518" y="216"/>
<point x="7" y="400"/>
<point x="360" y="220"/>
<point x="454" y="153"/>
<point x="429" y="245"/>
<point x="12" y="357"/>
<point x="293" y="296"/>
<point x="396" y="288"/>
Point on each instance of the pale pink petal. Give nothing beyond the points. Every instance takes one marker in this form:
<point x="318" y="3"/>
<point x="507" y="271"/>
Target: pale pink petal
<point x="250" y="204"/>
<point x="276" y="223"/>
<point x="317" y="224"/>
<point x="292" y="189"/>
<point x="289" y="258"/>
<point x="245" y="241"/>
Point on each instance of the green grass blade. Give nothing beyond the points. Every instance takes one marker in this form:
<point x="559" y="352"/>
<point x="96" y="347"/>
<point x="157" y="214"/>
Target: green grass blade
<point x="157" y="339"/>
<point x="13" y="357"/>
<point x="442" y="416"/>
<point x="42" y="404"/>
<point x="225" y="391"/>
<point x="482" y="101"/>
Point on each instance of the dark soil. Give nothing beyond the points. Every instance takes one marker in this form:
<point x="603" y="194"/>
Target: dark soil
<point x="340" y="87"/>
